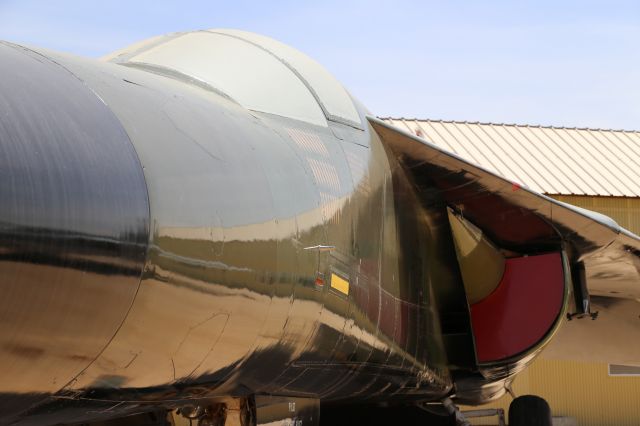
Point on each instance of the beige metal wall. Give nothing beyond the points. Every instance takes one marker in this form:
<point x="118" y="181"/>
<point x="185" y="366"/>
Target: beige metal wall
<point x="580" y="390"/>
<point x="585" y="391"/>
<point x="625" y="211"/>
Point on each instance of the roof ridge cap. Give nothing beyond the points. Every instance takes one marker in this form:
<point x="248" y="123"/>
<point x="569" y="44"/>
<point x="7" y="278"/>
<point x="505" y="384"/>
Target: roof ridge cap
<point x="488" y="123"/>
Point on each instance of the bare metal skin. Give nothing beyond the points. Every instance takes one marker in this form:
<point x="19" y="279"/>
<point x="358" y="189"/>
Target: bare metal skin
<point x="162" y="246"/>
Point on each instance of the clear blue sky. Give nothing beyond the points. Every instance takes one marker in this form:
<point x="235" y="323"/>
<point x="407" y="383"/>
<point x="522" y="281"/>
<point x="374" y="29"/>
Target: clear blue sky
<point x="571" y="63"/>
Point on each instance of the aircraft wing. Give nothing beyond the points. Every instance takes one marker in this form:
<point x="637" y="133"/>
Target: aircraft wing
<point x="604" y="257"/>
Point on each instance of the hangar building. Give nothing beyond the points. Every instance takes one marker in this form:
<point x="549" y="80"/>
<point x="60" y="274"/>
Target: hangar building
<point x="591" y="168"/>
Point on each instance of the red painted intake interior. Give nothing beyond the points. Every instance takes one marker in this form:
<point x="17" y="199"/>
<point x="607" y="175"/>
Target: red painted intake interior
<point x="521" y="310"/>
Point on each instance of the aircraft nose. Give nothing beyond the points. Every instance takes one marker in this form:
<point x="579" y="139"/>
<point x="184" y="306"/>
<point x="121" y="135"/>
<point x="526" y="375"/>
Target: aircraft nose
<point x="73" y="224"/>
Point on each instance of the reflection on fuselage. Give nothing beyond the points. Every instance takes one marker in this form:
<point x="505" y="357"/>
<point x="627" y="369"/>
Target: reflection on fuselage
<point x="250" y="254"/>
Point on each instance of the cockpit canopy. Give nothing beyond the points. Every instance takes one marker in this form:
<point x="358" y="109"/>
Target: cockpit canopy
<point x="257" y="72"/>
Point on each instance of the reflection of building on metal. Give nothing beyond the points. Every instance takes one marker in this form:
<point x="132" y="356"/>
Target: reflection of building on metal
<point x="309" y="142"/>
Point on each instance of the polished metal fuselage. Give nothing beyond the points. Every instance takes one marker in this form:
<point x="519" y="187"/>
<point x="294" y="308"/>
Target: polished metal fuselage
<point x="160" y="243"/>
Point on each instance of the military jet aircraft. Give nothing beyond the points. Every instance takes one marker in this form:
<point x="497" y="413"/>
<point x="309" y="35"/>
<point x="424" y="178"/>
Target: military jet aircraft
<point x="207" y="224"/>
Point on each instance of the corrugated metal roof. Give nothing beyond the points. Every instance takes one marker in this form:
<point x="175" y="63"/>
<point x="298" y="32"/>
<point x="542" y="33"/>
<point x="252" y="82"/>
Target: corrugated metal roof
<point x="551" y="160"/>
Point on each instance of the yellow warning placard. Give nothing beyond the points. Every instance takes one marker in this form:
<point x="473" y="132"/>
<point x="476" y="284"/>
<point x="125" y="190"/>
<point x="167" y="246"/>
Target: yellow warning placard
<point x="340" y="284"/>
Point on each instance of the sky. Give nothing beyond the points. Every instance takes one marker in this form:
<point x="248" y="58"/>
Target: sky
<point x="560" y="63"/>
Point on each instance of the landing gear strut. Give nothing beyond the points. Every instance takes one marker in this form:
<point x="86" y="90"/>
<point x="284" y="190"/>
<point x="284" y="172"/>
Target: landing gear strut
<point x="455" y="412"/>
